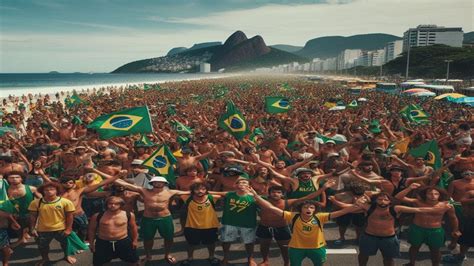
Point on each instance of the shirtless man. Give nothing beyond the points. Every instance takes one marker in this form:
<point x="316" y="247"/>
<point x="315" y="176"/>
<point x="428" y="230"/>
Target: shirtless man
<point x="380" y="231"/>
<point x="226" y="181"/>
<point x="85" y="155"/>
<point x="20" y="196"/>
<point x="105" y="153"/>
<point x="263" y="181"/>
<point x="272" y="226"/>
<point x="65" y="130"/>
<point x="267" y="155"/>
<point x="187" y="160"/>
<point x="427" y="228"/>
<point x="417" y="169"/>
<point x="130" y="198"/>
<point x="75" y="195"/>
<point x="117" y="234"/>
<point x="185" y="182"/>
<point x="156" y="215"/>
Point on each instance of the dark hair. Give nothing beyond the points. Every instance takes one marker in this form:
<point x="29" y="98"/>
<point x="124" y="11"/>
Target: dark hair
<point x="374" y="198"/>
<point x="464" y="126"/>
<point x="276" y="188"/>
<point x="56" y="185"/>
<point x="197" y="185"/>
<point x="21" y="174"/>
<point x="443" y="195"/>
<point x="121" y="201"/>
<point x="306" y="202"/>
<point x="66" y="179"/>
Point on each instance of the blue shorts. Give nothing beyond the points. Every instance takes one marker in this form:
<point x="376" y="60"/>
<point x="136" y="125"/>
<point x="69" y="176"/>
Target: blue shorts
<point x="4" y="239"/>
<point x="389" y="246"/>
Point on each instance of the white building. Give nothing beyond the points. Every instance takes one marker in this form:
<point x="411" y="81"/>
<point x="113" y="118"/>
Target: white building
<point x="425" y="35"/>
<point x="393" y="50"/>
<point x="346" y="59"/>
<point x="205" y="68"/>
<point x="330" y="64"/>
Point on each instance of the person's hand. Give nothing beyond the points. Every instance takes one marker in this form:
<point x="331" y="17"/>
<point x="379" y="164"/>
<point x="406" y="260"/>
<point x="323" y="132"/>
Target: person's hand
<point x="332" y="198"/>
<point x="135" y="244"/>
<point x="414" y="186"/>
<point x="15" y="226"/>
<point x="329" y="184"/>
<point x="456" y="234"/>
<point x="92" y="247"/>
<point x="67" y="232"/>
<point x="34" y="233"/>
<point x="452" y="245"/>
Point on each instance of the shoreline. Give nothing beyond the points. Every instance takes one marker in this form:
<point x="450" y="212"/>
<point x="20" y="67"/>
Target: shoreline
<point x="51" y="90"/>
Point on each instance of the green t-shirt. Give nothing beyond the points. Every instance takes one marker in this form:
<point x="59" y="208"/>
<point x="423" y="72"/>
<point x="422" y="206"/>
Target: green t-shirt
<point x="239" y="211"/>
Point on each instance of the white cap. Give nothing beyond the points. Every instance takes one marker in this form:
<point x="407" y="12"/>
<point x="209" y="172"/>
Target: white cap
<point x="136" y="161"/>
<point x="158" y="179"/>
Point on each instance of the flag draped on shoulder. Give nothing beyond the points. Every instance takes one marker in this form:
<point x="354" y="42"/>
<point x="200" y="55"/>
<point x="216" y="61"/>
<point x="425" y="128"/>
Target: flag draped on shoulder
<point x="430" y="152"/>
<point x="123" y="123"/>
<point x="161" y="162"/>
<point x="276" y="104"/>
<point x="233" y="122"/>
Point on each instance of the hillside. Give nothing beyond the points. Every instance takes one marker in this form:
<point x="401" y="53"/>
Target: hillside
<point x="237" y="53"/>
<point x="428" y="62"/>
<point x="287" y="48"/>
<point x="326" y="47"/>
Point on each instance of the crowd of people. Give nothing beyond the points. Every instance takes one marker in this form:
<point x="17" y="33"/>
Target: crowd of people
<point x="294" y="172"/>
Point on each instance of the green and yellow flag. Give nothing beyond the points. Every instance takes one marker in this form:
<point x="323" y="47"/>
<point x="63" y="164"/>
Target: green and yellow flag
<point x="73" y="100"/>
<point x="277" y="104"/>
<point x="430" y="152"/>
<point x="415" y="114"/>
<point x="161" y="163"/>
<point x="123" y="123"/>
<point x="144" y="141"/>
<point x="180" y="128"/>
<point x="353" y="104"/>
<point x="233" y="122"/>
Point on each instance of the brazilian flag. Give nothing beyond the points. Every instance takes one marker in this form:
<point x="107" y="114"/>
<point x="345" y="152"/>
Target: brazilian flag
<point x="233" y="122"/>
<point x="123" y="123"/>
<point x="221" y="92"/>
<point x="285" y="87"/>
<point x="256" y="132"/>
<point x="144" y="141"/>
<point x="161" y="162"/>
<point x="430" y="152"/>
<point x="415" y="114"/>
<point x="276" y="104"/>
<point x="353" y="104"/>
<point x="171" y="109"/>
<point x="180" y="128"/>
<point x="73" y="100"/>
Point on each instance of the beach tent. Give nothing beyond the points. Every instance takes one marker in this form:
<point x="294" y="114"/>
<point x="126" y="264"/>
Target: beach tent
<point x="415" y="90"/>
<point x="362" y="100"/>
<point x="452" y="95"/>
<point x="423" y="94"/>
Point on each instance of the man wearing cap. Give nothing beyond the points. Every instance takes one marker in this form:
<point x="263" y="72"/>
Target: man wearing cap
<point x="156" y="215"/>
<point x="226" y="181"/>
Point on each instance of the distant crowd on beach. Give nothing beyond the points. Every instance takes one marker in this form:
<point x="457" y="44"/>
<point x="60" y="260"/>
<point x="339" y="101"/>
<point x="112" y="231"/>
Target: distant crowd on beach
<point x="279" y="156"/>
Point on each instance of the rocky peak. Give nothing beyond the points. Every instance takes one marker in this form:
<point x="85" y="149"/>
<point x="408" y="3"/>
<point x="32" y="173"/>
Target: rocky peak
<point x="234" y="39"/>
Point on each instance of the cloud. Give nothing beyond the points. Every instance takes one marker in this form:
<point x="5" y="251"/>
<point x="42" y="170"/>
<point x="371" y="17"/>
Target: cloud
<point x="97" y="26"/>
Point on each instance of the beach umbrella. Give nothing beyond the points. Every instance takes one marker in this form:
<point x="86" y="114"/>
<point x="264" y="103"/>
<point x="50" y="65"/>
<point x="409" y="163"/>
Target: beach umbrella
<point x="362" y="100"/>
<point x="452" y="95"/>
<point x="415" y="90"/>
<point x="337" y="108"/>
<point x="461" y="100"/>
<point x="424" y="94"/>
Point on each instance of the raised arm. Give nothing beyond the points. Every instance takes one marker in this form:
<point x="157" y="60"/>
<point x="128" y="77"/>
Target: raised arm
<point x="265" y="204"/>
<point x="104" y="182"/>
<point x="297" y="165"/>
<point x="129" y="186"/>
<point x="402" y="195"/>
<point x="321" y="190"/>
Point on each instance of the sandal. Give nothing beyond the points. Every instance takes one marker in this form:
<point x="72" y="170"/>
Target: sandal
<point x="170" y="260"/>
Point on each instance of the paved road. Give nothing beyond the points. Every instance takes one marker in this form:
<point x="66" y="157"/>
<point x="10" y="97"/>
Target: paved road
<point x="29" y="254"/>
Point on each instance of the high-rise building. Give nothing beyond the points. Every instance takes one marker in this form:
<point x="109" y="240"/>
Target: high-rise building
<point x="425" y="35"/>
<point x="346" y="58"/>
<point x="393" y="50"/>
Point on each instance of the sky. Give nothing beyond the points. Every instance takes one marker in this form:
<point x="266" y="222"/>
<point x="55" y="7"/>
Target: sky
<point x="100" y="35"/>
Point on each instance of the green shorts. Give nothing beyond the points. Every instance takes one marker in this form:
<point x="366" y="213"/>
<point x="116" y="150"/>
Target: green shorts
<point x="316" y="255"/>
<point x="433" y="237"/>
<point x="164" y="225"/>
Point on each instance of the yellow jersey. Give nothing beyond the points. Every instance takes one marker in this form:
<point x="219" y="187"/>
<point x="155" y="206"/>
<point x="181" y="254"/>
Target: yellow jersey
<point x="201" y="215"/>
<point x="307" y="235"/>
<point x="51" y="215"/>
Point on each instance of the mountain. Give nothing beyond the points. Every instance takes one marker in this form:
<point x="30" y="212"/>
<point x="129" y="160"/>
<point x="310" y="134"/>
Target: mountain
<point x="196" y="46"/>
<point x="428" y="62"/>
<point x="176" y="50"/>
<point x="237" y="53"/>
<point x="326" y="47"/>
<point x="287" y="48"/>
<point x="469" y="37"/>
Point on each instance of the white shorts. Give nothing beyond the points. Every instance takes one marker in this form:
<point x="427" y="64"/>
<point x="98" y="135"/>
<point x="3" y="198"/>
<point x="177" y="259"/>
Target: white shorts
<point x="230" y="233"/>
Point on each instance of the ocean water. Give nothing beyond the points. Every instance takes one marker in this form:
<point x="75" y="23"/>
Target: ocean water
<point x="19" y="84"/>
